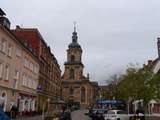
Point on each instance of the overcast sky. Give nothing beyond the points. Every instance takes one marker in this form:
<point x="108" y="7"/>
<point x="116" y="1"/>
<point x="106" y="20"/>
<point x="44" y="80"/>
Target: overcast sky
<point x="112" y="33"/>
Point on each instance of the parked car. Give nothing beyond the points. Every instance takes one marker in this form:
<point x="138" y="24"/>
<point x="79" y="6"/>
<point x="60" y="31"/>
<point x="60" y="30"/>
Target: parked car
<point x="97" y="114"/>
<point x="116" y="115"/>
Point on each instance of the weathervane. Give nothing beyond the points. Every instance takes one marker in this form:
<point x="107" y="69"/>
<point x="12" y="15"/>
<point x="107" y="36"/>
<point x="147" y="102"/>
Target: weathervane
<point x="74" y="23"/>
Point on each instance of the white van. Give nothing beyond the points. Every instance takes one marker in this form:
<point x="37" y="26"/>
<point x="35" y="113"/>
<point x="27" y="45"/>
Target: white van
<point x="116" y="115"/>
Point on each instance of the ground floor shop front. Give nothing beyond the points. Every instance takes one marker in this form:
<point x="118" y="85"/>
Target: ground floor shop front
<point x="27" y="103"/>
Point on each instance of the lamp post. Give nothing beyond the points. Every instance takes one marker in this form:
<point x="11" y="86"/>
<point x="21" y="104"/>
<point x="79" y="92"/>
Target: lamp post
<point x="43" y="111"/>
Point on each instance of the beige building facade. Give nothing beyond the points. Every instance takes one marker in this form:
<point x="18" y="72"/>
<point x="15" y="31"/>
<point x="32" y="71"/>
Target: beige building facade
<point x="19" y="71"/>
<point x="49" y="84"/>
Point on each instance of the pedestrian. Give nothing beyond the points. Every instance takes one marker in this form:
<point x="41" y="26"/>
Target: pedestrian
<point x="65" y="114"/>
<point x="13" y="111"/>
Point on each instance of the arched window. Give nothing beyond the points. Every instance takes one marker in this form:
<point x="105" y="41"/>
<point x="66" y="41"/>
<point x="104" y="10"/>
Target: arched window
<point x="83" y="94"/>
<point x="72" y="58"/>
<point x="71" y="74"/>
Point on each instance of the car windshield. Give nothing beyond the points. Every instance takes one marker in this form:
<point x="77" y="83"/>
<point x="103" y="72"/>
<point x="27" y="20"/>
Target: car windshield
<point x="102" y="111"/>
<point x="111" y="112"/>
<point x="99" y="111"/>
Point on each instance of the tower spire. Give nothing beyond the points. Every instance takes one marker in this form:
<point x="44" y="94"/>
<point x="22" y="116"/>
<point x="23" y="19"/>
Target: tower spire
<point x="74" y="23"/>
<point x="74" y="34"/>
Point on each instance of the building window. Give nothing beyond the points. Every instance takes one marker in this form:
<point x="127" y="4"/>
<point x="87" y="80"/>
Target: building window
<point x="72" y="74"/>
<point x="34" y="84"/>
<point x="31" y="66"/>
<point x="36" y="69"/>
<point x="3" y="47"/>
<point x="18" y="52"/>
<point x="7" y="72"/>
<point x="26" y="63"/>
<point x="10" y="50"/>
<point x="1" y="70"/>
<point x="83" y="95"/>
<point x="24" y="80"/>
<point x="15" y="84"/>
<point x="16" y="74"/>
<point x="72" y="58"/>
<point x="29" y="82"/>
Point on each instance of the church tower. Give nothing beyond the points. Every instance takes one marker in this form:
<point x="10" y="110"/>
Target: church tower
<point x="76" y="87"/>
<point x="74" y="65"/>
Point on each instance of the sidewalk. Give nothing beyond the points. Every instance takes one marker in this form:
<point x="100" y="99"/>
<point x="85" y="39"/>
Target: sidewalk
<point x="39" y="117"/>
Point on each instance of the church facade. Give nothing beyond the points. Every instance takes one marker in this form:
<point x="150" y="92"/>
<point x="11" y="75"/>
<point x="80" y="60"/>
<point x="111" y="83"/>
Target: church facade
<point x="76" y="87"/>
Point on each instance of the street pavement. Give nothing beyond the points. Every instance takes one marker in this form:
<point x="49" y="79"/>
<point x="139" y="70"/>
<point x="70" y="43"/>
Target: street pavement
<point x="76" y="115"/>
<point x="29" y="118"/>
<point x="79" y="115"/>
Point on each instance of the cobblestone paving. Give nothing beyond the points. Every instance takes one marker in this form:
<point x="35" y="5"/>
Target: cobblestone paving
<point x="79" y="115"/>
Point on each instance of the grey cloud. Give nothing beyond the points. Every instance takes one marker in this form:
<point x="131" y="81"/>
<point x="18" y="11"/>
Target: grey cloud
<point x="112" y="33"/>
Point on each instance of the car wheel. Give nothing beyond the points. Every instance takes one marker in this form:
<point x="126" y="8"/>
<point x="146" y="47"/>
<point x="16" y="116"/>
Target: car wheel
<point x="118" y="118"/>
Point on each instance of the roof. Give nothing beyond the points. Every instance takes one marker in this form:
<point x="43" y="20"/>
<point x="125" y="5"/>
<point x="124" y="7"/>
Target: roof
<point x="153" y="65"/>
<point x="74" y="43"/>
<point x="156" y="66"/>
<point x="18" y="40"/>
<point x="30" y="36"/>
